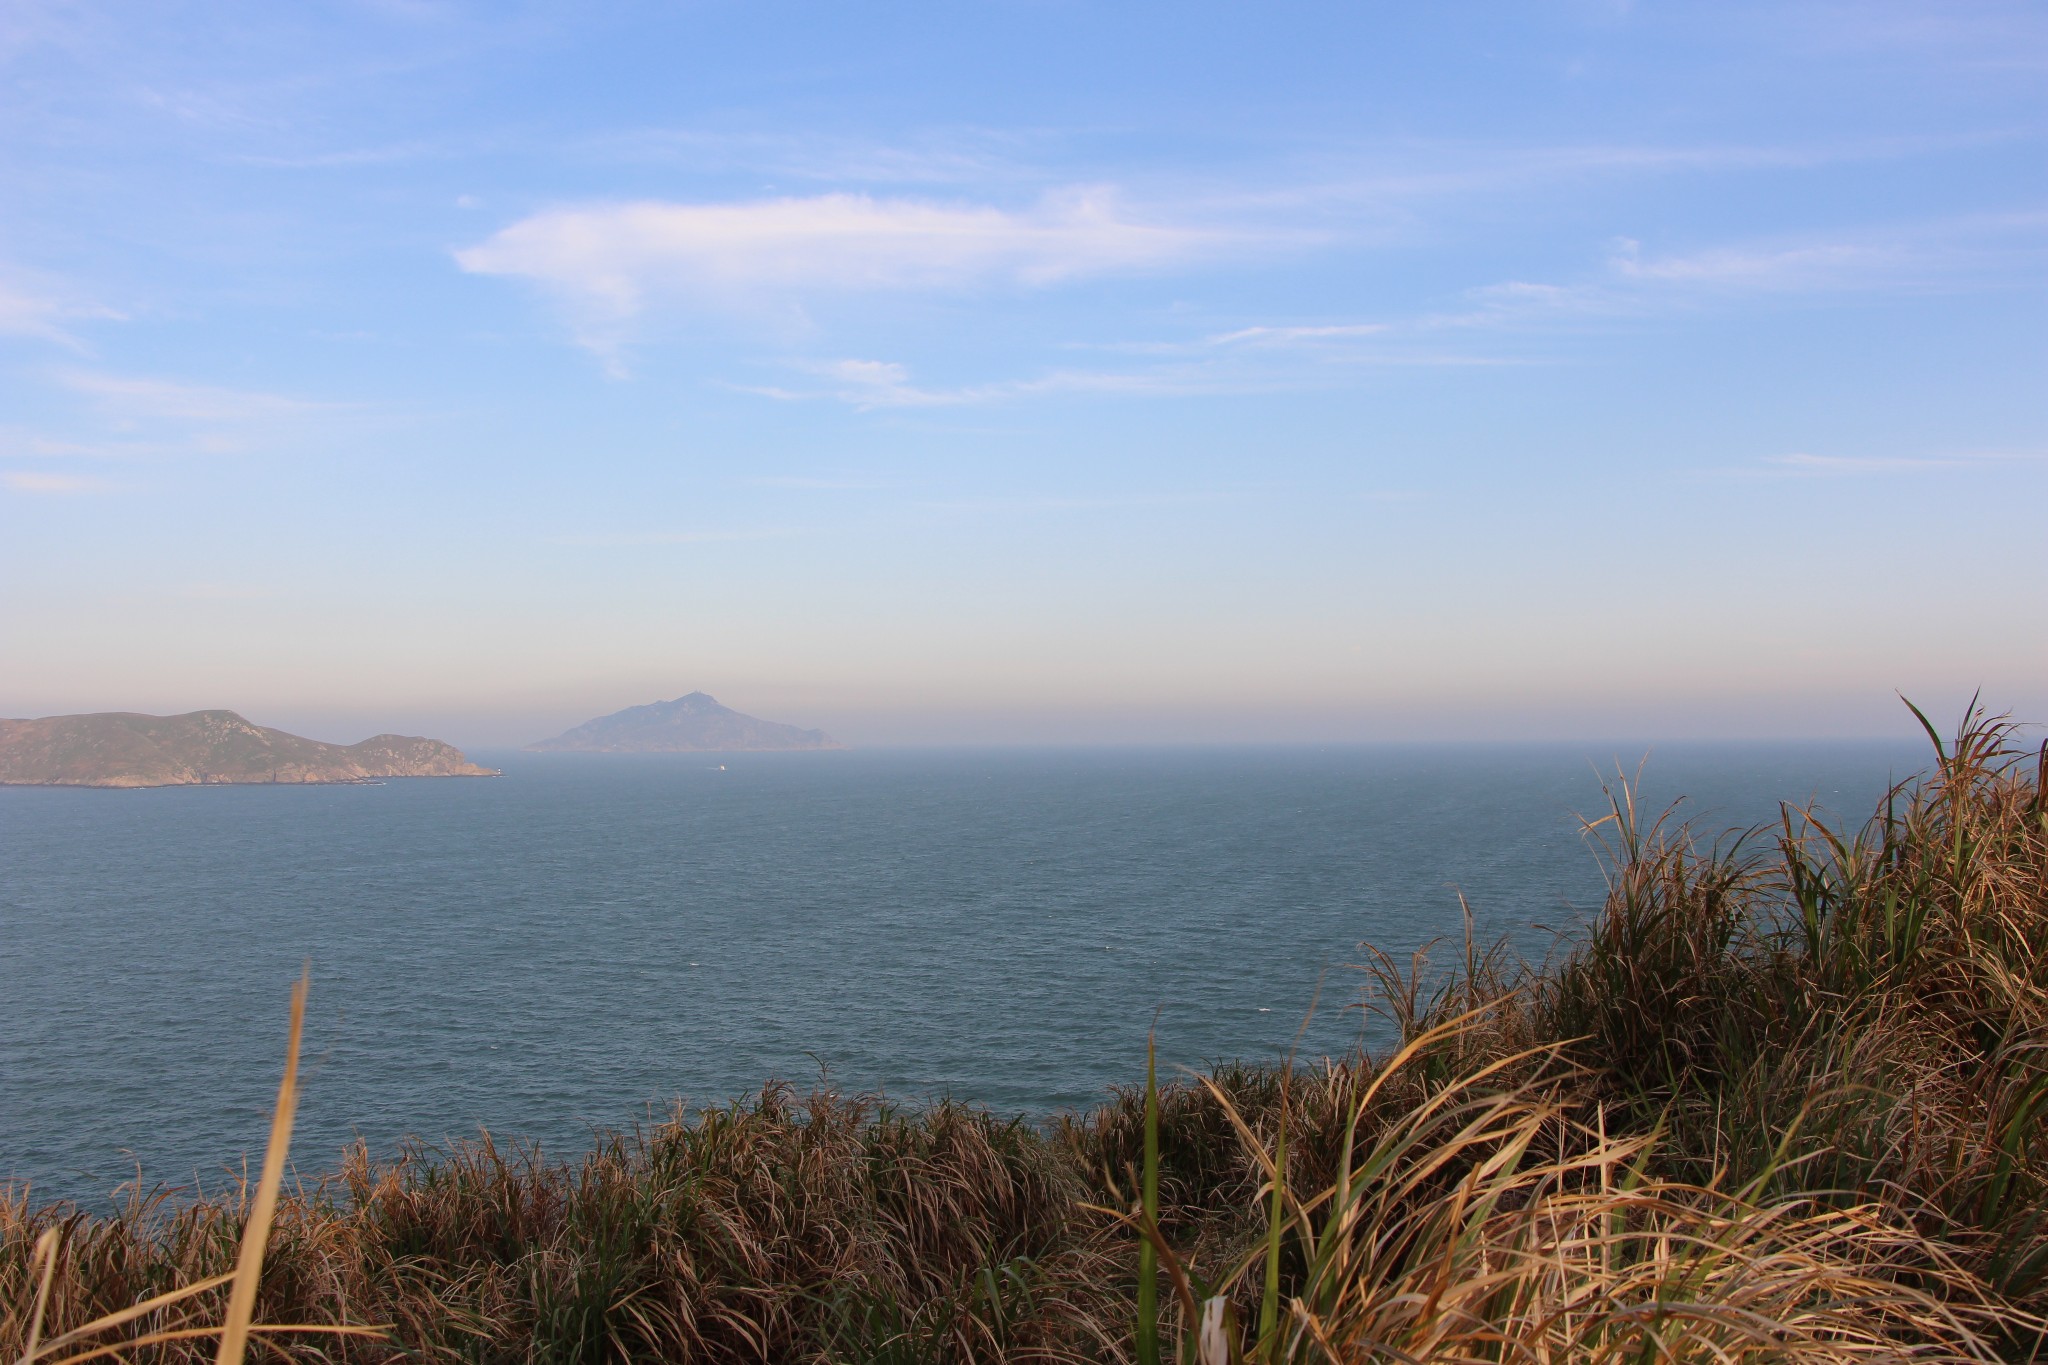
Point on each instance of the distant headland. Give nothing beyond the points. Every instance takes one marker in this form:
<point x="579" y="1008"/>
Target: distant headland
<point x="124" y="749"/>
<point x="695" y="724"/>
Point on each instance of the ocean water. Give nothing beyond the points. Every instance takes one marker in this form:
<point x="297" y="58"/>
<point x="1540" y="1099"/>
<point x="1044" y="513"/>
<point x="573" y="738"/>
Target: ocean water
<point x="576" y="944"/>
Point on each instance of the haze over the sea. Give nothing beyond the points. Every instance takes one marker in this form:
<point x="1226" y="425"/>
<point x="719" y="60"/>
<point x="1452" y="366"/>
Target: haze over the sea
<point x="1051" y="372"/>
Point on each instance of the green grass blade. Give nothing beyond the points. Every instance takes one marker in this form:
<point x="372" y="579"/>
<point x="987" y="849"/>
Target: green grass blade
<point x="1269" y="1301"/>
<point x="1148" y="1257"/>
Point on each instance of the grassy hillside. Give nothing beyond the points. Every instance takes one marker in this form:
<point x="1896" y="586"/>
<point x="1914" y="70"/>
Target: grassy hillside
<point x="126" y="749"/>
<point x="1787" y="1099"/>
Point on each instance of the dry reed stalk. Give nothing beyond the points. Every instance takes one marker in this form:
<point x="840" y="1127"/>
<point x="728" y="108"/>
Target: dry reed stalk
<point x="236" y="1325"/>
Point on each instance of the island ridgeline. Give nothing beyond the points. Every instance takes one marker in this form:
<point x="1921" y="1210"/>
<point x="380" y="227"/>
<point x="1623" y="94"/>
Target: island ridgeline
<point x="693" y="724"/>
<point x="125" y="749"/>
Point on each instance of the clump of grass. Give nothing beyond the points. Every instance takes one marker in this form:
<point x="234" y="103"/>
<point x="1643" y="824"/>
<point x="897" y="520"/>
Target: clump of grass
<point x="1864" y="1011"/>
<point x="766" y="1230"/>
<point x="1785" y="1099"/>
<point x="1808" y="1049"/>
<point x="1488" y="1220"/>
<point x="782" y="1228"/>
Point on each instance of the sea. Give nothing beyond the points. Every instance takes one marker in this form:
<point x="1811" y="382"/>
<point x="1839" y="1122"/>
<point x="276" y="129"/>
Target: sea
<point x="576" y="946"/>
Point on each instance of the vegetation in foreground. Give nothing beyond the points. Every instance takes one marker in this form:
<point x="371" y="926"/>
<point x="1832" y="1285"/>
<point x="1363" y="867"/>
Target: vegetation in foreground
<point x="1787" y="1099"/>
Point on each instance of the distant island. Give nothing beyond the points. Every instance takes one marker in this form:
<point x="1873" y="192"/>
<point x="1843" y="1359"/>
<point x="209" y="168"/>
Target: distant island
<point x="124" y="749"/>
<point x="695" y="724"/>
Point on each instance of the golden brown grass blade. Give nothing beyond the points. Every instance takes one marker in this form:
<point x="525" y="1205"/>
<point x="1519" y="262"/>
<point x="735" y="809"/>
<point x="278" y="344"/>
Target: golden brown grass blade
<point x="234" y="1332"/>
<point x="46" y="1256"/>
<point x="132" y="1312"/>
<point x="195" y="1333"/>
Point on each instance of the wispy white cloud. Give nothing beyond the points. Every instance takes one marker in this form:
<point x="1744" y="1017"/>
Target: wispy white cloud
<point x="622" y="539"/>
<point x="1801" y="462"/>
<point x="611" y="265"/>
<point x="1806" y="465"/>
<point x="1633" y="282"/>
<point x="1632" y="285"/>
<point x="883" y="383"/>
<point x="1399" y="184"/>
<point x="817" y="484"/>
<point x="1390" y="341"/>
<point x="1799" y="268"/>
<point x="1338" y="174"/>
<point x="1961" y="253"/>
<point x="137" y="397"/>
<point x="1341" y="175"/>
<point x="611" y="262"/>
<point x="1965" y="38"/>
<point x="879" y="384"/>
<point x="960" y="156"/>
<point x="1369" y="172"/>
<point x="869" y="385"/>
<point x="20" y="443"/>
<point x="1511" y="300"/>
<point x="1298" y="335"/>
<point x="126" y="418"/>
<point x="64" y="485"/>
<point x="40" y="309"/>
<point x="396" y="153"/>
<point x="1109" y="502"/>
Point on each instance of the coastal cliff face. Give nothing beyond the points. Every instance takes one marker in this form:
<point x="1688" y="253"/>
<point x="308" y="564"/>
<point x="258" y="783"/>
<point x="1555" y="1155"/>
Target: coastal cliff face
<point x="695" y="724"/>
<point x="123" y="749"/>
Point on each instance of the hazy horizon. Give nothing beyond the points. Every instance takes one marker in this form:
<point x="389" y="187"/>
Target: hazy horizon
<point x="1634" y="731"/>
<point x="1027" y="374"/>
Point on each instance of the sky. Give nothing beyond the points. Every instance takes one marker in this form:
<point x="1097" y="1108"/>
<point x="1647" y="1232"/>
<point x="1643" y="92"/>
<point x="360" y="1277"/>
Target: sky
<point x="1034" y="372"/>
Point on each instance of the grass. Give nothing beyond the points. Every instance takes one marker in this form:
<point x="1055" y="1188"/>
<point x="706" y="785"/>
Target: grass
<point x="1785" y="1099"/>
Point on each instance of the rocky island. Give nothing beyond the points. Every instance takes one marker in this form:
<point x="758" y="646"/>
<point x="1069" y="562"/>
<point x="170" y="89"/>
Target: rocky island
<point x="695" y="724"/>
<point x="124" y="749"/>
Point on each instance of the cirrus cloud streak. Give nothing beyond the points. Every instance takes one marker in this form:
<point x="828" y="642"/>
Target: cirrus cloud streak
<point x="62" y="485"/>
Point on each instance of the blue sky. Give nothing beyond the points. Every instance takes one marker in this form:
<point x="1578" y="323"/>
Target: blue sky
<point x="1031" y="371"/>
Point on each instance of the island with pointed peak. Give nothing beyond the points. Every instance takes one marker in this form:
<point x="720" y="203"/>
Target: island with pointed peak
<point x="692" y="724"/>
<point x="204" y="748"/>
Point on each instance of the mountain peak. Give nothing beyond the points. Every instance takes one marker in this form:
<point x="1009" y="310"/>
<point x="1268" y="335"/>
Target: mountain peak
<point x="691" y="724"/>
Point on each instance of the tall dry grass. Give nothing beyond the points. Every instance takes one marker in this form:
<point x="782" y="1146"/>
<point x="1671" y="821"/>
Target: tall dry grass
<point x="1785" y="1099"/>
<point x="1821" y="1056"/>
<point x="779" y="1229"/>
<point x="1468" y="1216"/>
<point x="1861" y="1011"/>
